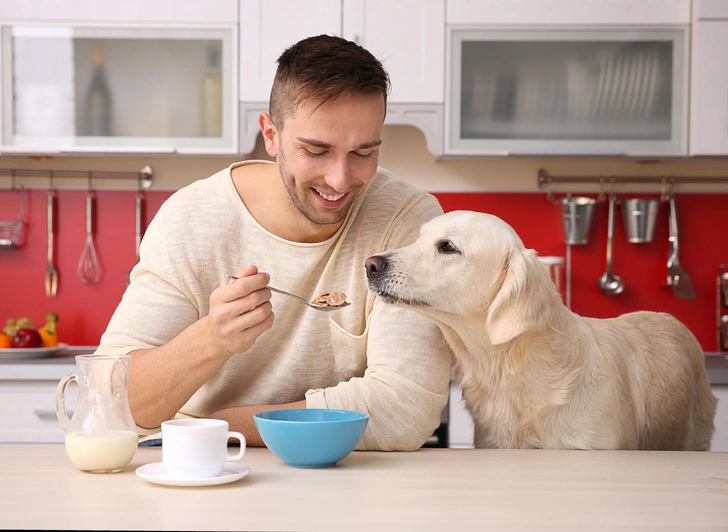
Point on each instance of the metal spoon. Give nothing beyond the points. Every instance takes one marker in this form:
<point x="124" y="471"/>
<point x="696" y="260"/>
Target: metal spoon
<point x="312" y="305"/>
<point x="608" y="283"/>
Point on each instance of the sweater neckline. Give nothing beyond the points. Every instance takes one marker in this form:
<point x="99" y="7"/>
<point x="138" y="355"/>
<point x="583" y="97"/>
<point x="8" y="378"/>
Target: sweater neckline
<point x="252" y="220"/>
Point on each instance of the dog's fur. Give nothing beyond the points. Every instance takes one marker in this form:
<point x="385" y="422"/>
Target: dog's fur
<point x="533" y="373"/>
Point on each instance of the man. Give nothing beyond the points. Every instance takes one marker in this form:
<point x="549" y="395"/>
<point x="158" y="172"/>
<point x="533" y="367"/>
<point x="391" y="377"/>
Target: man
<point x="305" y="224"/>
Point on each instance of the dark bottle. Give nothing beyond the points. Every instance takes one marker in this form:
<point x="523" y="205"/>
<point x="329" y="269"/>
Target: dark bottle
<point x="98" y="99"/>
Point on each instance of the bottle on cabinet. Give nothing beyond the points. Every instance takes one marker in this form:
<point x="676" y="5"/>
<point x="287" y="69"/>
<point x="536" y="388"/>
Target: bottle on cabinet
<point x="98" y="99"/>
<point x="212" y="96"/>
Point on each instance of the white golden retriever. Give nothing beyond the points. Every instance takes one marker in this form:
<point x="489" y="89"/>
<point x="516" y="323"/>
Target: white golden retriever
<point x="533" y="373"/>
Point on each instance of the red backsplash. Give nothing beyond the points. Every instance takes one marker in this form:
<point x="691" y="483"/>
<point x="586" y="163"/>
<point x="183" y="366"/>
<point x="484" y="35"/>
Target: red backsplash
<point x="84" y="309"/>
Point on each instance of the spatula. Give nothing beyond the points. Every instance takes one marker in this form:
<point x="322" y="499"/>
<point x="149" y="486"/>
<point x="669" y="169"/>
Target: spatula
<point x="677" y="278"/>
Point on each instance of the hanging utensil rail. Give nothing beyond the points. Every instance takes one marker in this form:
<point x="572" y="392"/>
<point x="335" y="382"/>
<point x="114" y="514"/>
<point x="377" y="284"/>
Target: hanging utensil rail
<point x="144" y="177"/>
<point x="545" y="180"/>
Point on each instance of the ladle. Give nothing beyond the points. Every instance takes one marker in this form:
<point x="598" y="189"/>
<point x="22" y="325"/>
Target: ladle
<point x="609" y="283"/>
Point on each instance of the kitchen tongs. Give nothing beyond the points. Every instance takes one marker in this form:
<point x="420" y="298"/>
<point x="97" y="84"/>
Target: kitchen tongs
<point x="677" y="278"/>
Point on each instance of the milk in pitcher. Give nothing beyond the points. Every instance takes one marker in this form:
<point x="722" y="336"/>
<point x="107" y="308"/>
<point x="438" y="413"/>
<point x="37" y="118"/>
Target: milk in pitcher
<point x="106" y="451"/>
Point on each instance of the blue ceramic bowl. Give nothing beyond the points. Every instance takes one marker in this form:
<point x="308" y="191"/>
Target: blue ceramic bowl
<point x="311" y="437"/>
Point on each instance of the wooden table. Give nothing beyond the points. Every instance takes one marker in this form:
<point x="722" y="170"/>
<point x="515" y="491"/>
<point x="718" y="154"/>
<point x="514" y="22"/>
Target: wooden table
<point x="431" y="489"/>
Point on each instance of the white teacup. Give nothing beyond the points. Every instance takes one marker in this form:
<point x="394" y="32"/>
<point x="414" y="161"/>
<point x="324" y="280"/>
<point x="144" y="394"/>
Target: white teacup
<point x="197" y="448"/>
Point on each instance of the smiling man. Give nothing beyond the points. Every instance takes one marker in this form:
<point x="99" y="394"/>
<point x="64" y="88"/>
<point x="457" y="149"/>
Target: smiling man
<point x="202" y="347"/>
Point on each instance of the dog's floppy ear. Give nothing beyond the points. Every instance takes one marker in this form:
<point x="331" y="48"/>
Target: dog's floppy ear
<point x="521" y="301"/>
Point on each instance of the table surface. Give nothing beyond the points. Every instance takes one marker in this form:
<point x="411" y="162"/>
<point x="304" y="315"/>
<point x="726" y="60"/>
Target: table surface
<point x="431" y="489"/>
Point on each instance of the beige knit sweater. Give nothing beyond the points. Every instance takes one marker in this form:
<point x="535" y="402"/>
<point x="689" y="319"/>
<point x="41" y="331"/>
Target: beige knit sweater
<point x="370" y="357"/>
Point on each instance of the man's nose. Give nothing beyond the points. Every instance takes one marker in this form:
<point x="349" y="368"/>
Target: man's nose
<point x="339" y="176"/>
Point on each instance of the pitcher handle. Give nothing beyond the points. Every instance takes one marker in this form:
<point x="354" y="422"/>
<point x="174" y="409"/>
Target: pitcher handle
<point x="61" y="400"/>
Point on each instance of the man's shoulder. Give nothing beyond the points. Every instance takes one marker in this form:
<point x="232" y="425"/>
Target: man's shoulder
<point x="198" y="196"/>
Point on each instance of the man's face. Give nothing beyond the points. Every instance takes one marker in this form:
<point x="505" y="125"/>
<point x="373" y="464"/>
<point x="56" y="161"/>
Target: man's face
<point x="326" y="154"/>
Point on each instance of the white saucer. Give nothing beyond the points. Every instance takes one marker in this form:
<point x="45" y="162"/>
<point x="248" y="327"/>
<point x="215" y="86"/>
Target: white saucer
<point x="156" y="474"/>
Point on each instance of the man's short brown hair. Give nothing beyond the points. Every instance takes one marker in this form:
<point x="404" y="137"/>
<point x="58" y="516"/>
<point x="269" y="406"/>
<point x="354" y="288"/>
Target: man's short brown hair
<point x="324" y="69"/>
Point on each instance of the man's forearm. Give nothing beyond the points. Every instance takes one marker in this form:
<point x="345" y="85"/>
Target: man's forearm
<point x="240" y="419"/>
<point x="161" y="380"/>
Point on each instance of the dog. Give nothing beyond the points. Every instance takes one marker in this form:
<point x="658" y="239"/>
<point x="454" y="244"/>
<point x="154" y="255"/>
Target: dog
<point x="533" y="373"/>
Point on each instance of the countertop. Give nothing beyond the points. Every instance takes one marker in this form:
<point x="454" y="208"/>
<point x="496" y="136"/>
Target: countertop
<point x="431" y="489"/>
<point x="55" y="367"/>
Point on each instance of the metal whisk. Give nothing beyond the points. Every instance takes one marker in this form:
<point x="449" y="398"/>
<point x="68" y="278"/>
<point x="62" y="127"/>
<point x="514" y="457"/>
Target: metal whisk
<point x="89" y="269"/>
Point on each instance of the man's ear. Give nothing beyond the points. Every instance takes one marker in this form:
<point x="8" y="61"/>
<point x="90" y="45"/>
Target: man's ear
<point x="270" y="133"/>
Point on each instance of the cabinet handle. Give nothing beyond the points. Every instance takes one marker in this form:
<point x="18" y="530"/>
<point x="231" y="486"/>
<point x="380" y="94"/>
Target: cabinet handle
<point x="47" y="412"/>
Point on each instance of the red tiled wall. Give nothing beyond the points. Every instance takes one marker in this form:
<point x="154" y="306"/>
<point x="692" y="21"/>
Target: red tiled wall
<point x="84" y="310"/>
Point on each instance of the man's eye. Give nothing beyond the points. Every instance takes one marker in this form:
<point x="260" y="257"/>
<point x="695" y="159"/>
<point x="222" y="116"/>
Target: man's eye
<point x="313" y="153"/>
<point x="363" y="155"/>
<point x="447" y="247"/>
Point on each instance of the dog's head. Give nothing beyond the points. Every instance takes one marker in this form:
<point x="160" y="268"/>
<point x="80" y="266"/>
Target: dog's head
<point x="466" y="264"/>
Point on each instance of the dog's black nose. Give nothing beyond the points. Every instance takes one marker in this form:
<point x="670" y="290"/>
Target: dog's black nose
<point x="375" y="265"/>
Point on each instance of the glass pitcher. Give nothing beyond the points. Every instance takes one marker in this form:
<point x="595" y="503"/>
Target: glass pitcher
<point x="101" y="437"/>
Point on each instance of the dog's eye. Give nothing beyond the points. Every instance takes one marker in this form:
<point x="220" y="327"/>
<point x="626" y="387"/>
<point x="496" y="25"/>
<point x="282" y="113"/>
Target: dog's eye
<point x="445" y="246"/>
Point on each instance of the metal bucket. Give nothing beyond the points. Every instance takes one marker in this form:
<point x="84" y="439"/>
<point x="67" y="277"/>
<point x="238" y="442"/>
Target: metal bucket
<point x="639" y="218"/>
<point x="576" y="214"/>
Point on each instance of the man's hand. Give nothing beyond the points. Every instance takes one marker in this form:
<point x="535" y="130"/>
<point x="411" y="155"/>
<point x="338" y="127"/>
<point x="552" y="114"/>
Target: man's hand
<point x="240" y="311"/>
<point x="240" y="419"/>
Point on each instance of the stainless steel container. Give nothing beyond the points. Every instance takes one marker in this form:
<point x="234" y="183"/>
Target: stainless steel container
<point x="576" y="213"/>
<point x="639" y="218"/>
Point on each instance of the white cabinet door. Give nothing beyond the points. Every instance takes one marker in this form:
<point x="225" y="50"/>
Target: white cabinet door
<point x="720" y="438"/>
<point x="268" y="28"/>
<point x="460" y="425"/>
<point x="709" y="88"/>
<point x="114" y="11"/>
<point x="28" y="411"/>
<point x="119" y="88"/>
<point x="568" y="91"/>
<point x="571" y="12"/>
<point x="408" y="36"/>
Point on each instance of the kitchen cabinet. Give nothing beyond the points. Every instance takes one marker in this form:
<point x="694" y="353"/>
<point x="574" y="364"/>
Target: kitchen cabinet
<point x="525" y="80"/>
<point x="28" y="400"/>
<point x="460" y="425"/>
<point x="720" y="438"/>
<point x="91" y="77"/>
<point x="460" y="422"/>
<point x="408" y="36"/>
<point x="709" y="79"/>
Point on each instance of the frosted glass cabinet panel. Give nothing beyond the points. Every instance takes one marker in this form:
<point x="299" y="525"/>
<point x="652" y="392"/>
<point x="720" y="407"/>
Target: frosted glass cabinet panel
<point x="568" y="92"/>
<point x="82" y="89"/>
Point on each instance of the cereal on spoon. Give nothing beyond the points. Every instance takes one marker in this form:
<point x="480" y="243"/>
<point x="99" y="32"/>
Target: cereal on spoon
<point x="331" y="299"/>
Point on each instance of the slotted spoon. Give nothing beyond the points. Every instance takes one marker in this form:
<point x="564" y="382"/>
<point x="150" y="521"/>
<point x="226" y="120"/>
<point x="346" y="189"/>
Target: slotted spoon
<point x="312" y="305"/>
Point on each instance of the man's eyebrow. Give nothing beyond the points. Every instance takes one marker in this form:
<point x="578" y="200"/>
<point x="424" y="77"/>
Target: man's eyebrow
<point x="326" y="146"/>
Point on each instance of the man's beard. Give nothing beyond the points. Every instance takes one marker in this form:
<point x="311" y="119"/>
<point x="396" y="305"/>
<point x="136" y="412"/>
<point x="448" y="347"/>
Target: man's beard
<point x="297" y="200"/>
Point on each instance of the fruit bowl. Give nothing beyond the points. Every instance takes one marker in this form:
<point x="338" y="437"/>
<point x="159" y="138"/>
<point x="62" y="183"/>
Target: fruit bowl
<point x="311" y="437"/>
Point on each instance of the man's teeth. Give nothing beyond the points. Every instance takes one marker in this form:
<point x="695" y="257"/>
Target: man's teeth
<point x="329" y="197"/>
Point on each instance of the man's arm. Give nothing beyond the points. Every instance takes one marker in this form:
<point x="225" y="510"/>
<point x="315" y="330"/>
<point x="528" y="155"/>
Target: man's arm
<point x="240" y="419"/>
<point x="406" y="382"/>
<point x="162" y="379"/>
